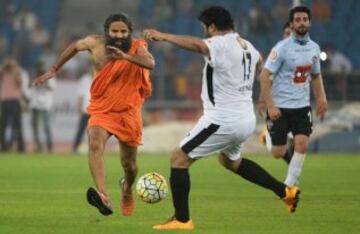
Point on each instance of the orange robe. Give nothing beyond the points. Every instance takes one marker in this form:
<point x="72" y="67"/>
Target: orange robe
<point x="117" y="95"/>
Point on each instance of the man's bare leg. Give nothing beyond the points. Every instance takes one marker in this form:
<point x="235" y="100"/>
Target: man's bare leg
<point x="97" y="140"/>
<point x="128" y="162"/>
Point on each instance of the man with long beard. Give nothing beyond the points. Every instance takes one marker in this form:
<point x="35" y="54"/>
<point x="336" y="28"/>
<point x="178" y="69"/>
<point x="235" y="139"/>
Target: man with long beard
<point x="121" y="82"/>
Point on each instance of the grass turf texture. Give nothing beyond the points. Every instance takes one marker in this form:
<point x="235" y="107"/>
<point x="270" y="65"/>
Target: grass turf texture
<point x="46" y="194"/>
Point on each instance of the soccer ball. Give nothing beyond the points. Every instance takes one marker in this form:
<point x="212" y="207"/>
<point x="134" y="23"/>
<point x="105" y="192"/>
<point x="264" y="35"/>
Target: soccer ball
<point x="151" y="187"/>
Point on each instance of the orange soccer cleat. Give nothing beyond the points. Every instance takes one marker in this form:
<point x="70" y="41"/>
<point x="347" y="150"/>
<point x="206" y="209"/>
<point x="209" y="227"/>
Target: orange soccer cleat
<point x="262" y="136"/>
<point x="173" y="224"/>
<point x="127" y="200"/>
<point x="291" y="198"/>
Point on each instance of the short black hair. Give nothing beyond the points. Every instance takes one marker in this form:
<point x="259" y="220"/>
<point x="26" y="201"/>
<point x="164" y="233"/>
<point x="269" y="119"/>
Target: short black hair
<point x="299" y="9"/>
<point x="218" y="16"/>
<point x="118" y="17"/>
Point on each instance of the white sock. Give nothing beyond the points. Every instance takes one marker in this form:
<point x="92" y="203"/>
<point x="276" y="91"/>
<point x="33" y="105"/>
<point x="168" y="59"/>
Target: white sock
<point x="268" y="141"/>
<point x="294" y="169"/>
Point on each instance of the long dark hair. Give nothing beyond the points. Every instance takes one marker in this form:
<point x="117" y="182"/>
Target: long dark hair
<point x="118" y="17"/>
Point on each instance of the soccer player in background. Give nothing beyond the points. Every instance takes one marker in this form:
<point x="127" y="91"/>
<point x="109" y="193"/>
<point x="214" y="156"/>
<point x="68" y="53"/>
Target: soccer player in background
<point x="228" y="120"/>
<point x="292" y="65"/>
<point x="121" y="82"/>
<point x="83" y="102"/>
<point x="287" y="31"/>
<point x="265" y="137"/>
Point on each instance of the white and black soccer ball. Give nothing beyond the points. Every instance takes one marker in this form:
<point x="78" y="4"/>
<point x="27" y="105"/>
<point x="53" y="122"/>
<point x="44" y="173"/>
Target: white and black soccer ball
<point x="151" y="187"/>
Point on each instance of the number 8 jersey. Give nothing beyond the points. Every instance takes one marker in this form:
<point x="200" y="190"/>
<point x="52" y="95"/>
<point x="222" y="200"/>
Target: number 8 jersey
<point x="292" y="62"/>
<point x="228" y="78"/>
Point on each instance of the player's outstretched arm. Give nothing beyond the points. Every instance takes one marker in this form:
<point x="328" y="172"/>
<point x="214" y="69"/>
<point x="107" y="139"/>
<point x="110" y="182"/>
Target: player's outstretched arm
<point x="66" y="55"/>
<point x="320" y="96"/>
<point x="191" y="43"/>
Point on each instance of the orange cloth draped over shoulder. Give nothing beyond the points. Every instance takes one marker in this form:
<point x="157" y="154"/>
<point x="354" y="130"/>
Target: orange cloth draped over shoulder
<point x="117" y="95"/>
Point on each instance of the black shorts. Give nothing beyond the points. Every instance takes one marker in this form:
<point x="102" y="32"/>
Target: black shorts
<point x="298" y="121"/>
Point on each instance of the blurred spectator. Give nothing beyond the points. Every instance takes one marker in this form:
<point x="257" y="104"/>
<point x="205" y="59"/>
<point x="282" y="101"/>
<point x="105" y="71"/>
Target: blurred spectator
<point x="11" y="93"/>
<point x="3" y="46"/>
<point x="340" y="66"/>
<point x="25" y="19"/>
<point x="243" y="23"/>
<point x="73" y="68"/>
<point x="163" y="13"/>
<point x="181" y="86"/>
<point x="321" y="11"/>
<point x="48" y="56"/>
<point x="194" y="82"/>
<point x="184" y="18"/>
<point x="20" y="45"/>
<point x="260" y="20"/>
<point x="39" y="36"/>
<point x="130" y="6"/>
<point x="171" y="62"/>
<point x="162" y="10"/>
<point x="41" y="102"/>
<point x="83" y="102"/>
<point x="280" y="11"/>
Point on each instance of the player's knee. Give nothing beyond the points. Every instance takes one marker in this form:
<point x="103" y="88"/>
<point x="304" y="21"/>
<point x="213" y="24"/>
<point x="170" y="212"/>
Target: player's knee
<point x="228" y="164"/>
<point x="179" y="159"/>
<point x="301" y="145"/>
<point x="222" y="161"/>
<point x="278" y="151"/>
<point x="96" y="141"/>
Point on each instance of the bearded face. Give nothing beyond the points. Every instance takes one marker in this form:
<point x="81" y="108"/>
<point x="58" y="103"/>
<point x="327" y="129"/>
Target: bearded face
<point x="123" y="44"/>
<point x="301" y="23"/>
<point x="119" y="36"/>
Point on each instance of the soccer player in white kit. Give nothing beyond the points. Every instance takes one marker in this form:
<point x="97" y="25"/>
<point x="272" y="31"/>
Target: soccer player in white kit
<point x="228" y="119"/>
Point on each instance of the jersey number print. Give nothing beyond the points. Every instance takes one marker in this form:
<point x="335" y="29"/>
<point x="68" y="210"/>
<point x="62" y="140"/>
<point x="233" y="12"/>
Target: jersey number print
<point x="301" y="73"/>
<point x="247" y="69"/>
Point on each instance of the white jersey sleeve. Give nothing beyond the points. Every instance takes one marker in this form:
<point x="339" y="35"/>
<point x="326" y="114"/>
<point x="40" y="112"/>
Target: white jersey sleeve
<point x="217" y="51"/>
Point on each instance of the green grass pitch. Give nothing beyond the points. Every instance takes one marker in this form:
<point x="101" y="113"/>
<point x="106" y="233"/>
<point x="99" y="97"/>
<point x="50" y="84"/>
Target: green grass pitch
<point x="46" y="194"/>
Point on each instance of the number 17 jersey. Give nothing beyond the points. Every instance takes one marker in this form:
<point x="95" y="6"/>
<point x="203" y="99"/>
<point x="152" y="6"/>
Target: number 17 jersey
<point x="292" y="61"/>
<point x="228" y="78"/>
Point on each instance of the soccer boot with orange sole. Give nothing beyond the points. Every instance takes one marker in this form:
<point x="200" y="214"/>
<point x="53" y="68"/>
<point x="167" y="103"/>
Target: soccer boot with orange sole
<point x="127" y="200"/>
<point x="173" y="224"/>
<point x="291" y="198"/>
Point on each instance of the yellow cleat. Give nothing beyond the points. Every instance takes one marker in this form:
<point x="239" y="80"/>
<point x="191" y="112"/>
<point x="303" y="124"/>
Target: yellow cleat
<point x="291" y="198"/>
<point x="173" y="224"/>
<point x="262" y="136"/>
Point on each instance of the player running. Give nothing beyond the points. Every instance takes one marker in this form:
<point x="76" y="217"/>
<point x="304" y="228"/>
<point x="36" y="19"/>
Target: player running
<point x="264" y="136"/>
<point x="292" y="65"/>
